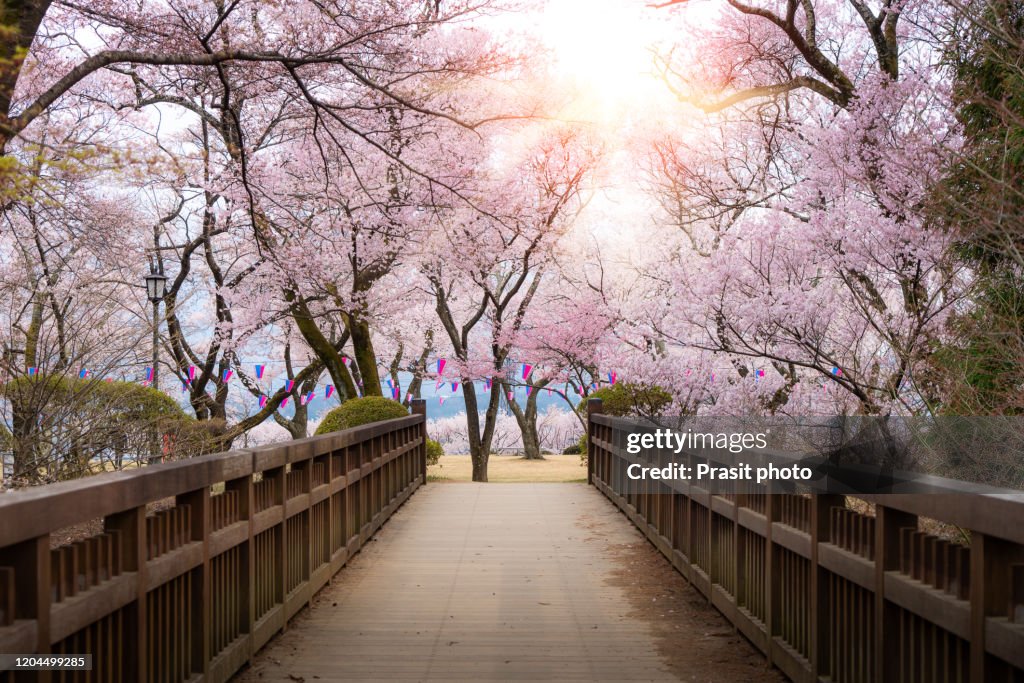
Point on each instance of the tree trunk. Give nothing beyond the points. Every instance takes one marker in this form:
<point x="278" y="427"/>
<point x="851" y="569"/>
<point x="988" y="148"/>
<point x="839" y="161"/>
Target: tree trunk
<point x="19" y="21"/>
<point x="366" y="357"/>
<point x="479" y="452"/>
<point x="527" y="421"/>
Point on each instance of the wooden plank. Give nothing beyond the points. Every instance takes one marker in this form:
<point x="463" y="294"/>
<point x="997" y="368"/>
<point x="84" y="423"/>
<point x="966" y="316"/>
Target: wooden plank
<point x="493" y="582"/>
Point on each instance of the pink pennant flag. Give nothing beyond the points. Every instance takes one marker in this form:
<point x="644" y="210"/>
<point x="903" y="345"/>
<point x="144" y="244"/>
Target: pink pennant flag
<point x="510" y="396"/>
<point x="758" y="373"/>
<point x="441" y="362"/>
<point x="440" y="400"/>
<point x="303" y="399"/>
<point x="455" y="387"/>
<point x="391" y="384"/>
<point x="227" y="375"/>
<point x="712" y="378"/>
<point x="83" y="373"/>
<point x="330" y="391"/>
<point x="487" y="384"/>
<point x="191" y="373"/>
<point x="184" y="387"/>
<point x="284" y="402"/>
<point x="527" y="369"/>
<point x="259" y="371"/>
<point x="612" y="377"/>
<point x="346" y="360"/>
<point x="837" y="371"/>
<point x="263" y="401"/>
<point x="32" y="371"/>
<point x="289" y="385"/>
<point x="529" y="390"/>
<point x="593" y="386"/>
<point x="408" y="397"/>
<point x="149" y="374"/>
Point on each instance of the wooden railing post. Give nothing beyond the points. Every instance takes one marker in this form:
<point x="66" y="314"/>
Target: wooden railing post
<point x="821" y="617"/>
<point x="202" y="610"/>
<point x="594" y="407"/>
<point x="31" y="563"/>
<point x="888" y="523"/>
<point x="419" y="407"/>
<point x="130" y="526"/>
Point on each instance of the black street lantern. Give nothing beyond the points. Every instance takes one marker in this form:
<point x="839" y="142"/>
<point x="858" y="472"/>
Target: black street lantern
<point x="156" y="285"/>
<point x="156" y="282"/>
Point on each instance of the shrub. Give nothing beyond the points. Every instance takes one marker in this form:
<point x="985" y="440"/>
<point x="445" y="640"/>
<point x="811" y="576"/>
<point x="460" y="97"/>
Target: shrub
<point x="434" y="451"/>
<point x="360" y="411"/>
<point x="625" y="399"/>
<point x="572" y="449"/>
<point x="581" y="448"/>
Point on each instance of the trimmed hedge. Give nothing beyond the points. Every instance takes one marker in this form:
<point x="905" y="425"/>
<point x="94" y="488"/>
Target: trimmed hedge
<point x="360" y="411"/>
<point x="625" y="399"/>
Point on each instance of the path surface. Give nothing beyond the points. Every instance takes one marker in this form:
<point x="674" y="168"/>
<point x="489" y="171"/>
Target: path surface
<point x="481" y="582"/>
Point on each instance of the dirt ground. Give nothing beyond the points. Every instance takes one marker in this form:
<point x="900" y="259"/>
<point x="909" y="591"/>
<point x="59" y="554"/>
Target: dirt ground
<point x="697" y="642"/>
<point x="511" y="469"/>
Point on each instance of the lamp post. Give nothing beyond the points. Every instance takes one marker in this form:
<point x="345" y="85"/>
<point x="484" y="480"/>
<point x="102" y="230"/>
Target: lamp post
<point x="156" y="284"/>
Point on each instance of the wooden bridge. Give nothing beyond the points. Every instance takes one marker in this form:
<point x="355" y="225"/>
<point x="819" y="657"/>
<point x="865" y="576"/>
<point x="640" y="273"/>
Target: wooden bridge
<point x="200" y="570"/>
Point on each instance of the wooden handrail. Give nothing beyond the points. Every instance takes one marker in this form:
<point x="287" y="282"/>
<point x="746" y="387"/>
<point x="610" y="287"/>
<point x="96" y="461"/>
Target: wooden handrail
<point x="833" y="591"/>
<point x="201" y="561"/>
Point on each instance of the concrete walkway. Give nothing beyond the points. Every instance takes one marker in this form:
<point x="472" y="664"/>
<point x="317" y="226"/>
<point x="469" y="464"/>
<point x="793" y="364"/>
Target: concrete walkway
<point x="508" y="582"/>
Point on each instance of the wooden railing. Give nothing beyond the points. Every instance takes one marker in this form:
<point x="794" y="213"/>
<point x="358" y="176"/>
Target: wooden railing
<point x="831" y="593"/>
<point x="199" y="562"/>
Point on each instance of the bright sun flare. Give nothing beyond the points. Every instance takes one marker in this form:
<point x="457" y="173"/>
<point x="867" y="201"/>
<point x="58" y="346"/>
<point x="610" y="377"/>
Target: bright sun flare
<point x="605" y="48"/>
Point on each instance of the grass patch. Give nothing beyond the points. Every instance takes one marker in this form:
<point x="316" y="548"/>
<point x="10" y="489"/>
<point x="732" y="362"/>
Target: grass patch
<point x="560" y="469"/>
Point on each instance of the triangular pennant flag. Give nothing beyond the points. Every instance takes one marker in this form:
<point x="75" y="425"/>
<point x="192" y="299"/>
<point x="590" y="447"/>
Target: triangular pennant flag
<point x="32" y="371"/>
<point x="191" y="373"/>
<point x="837" y="371"/>
<point x="529" y="390"/>
<point x="184" y="386"/>
<point x="289" y="385"/>
<point x="83" y="373"/>
<point x="527" y="369"/>
<point x="391" y="384"/>
<point x="510" y="395"/>
<point x="330" y="391"/>
<point x="284" y="401"/>
<point x="440" y="400"/>
<point x="303" y="400"/>
<point x="259" y="371"/>
<point x="593" y="386"/>
<point x="263" y="401"/>
<point x="487" y="384"/>
<point x="455" y="387"/>
<point x="441" y="362"/>
<point x="408" y="397"/>
<point x="612" y="377"/>
<point x="346" y="360"/>
<point x="227" y="375"/>
<point x="149" y="374"/>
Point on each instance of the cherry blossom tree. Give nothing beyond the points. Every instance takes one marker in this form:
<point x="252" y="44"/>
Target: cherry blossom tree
<point x="483" y="295"/>
<point x="806" y="245"/>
